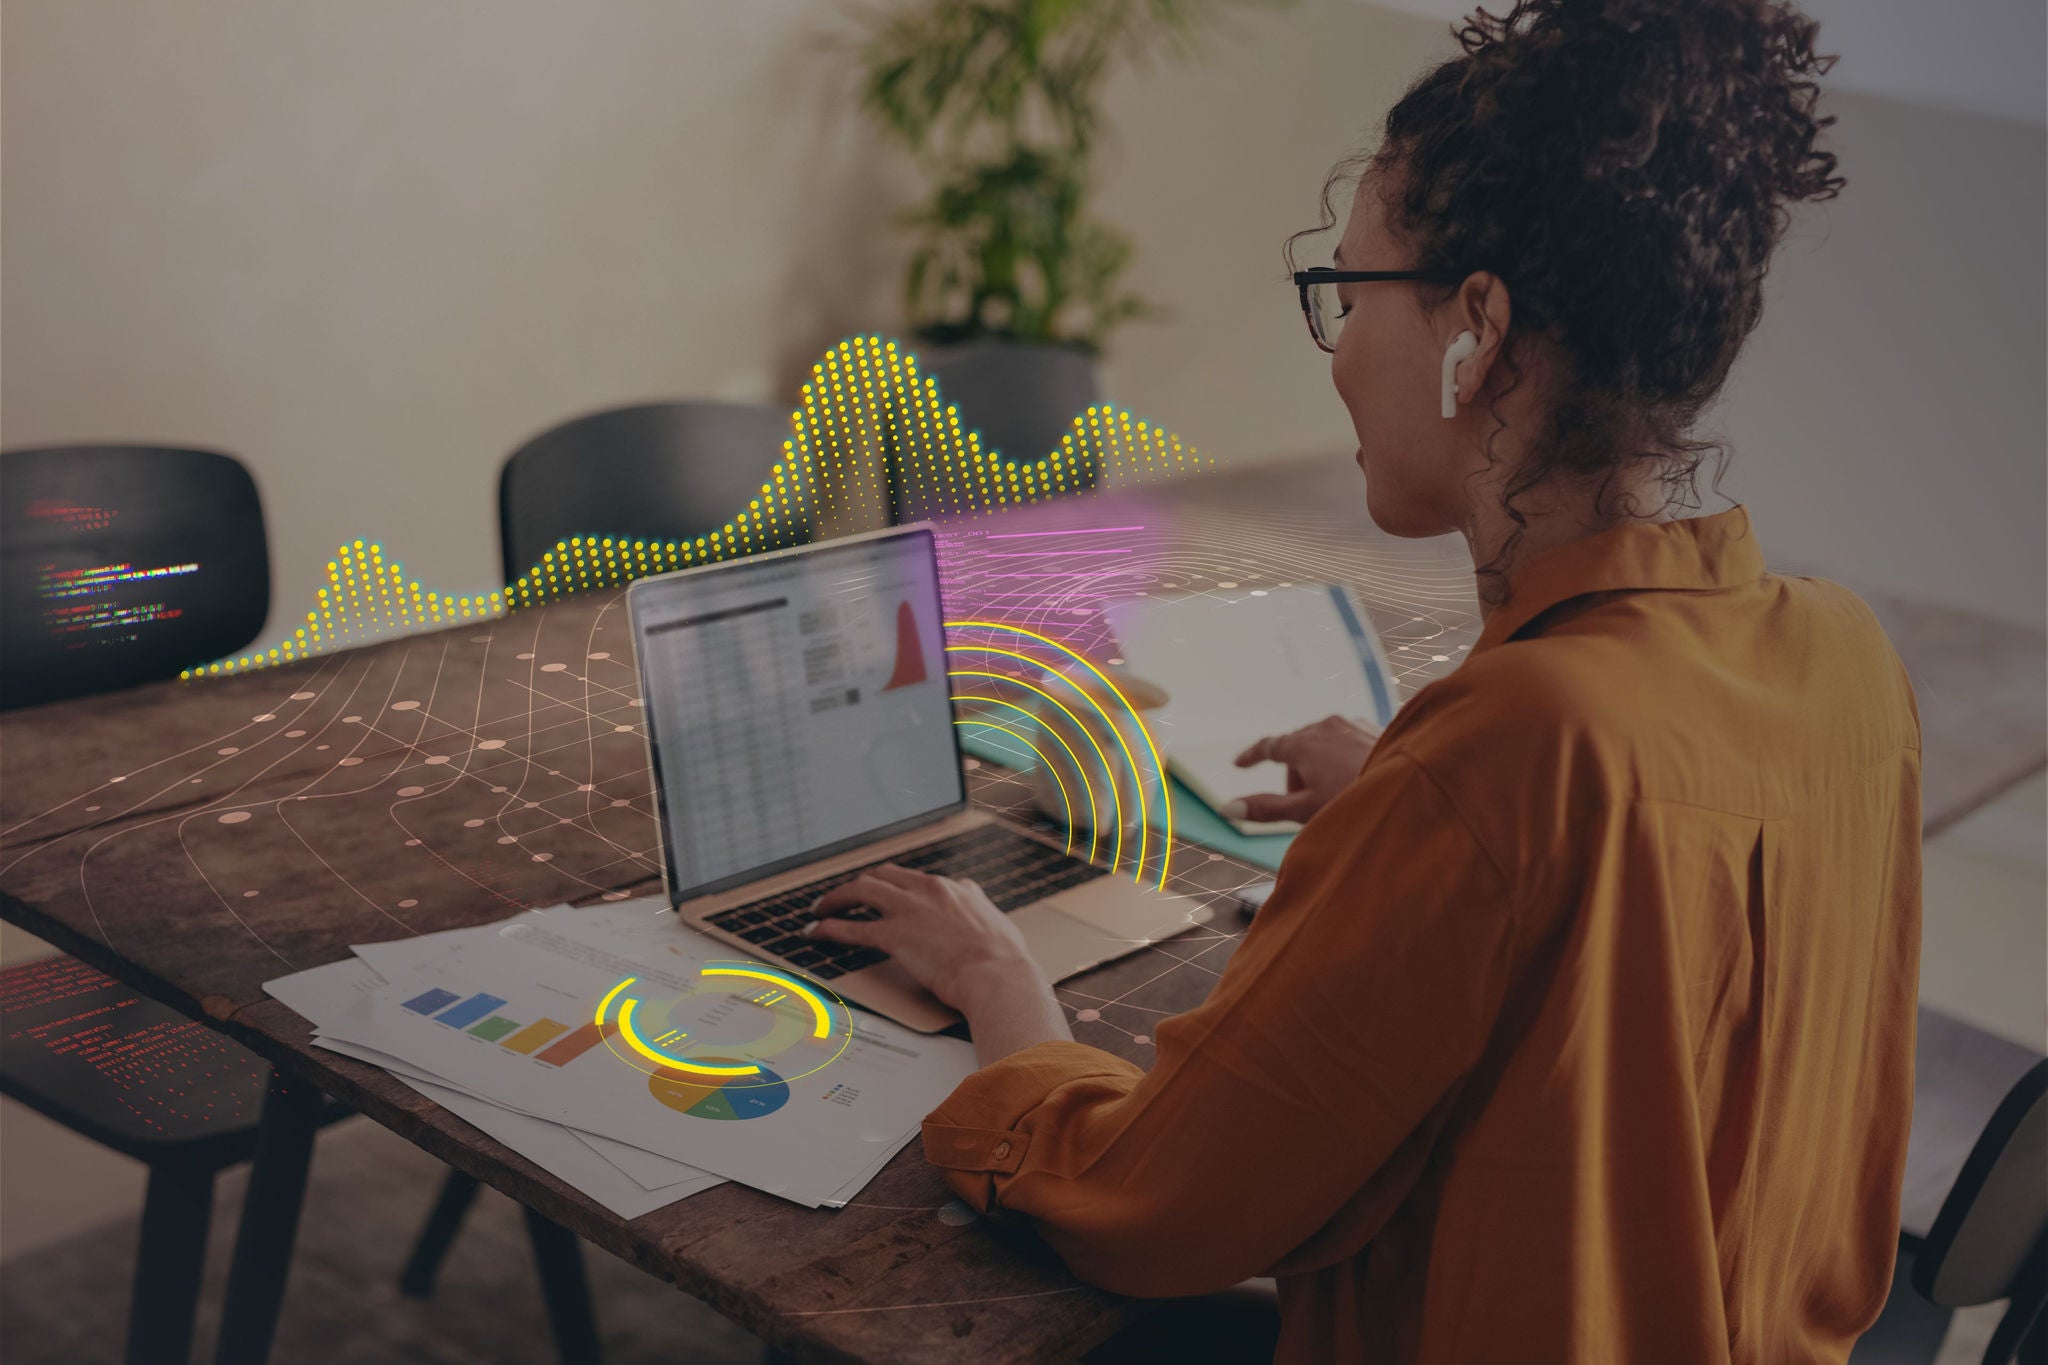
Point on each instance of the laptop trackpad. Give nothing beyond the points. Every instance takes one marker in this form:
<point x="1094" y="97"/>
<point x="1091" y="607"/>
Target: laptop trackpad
<point x="1063" y="945"/>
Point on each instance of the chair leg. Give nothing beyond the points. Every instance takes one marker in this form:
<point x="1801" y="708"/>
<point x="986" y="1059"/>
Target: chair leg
<point x="175" y="1215"/>
<point x="270" y="1221"/>
<point x="431" y="1248"/>
<point x="2019" y="1336"/>
<point x="2033" y="1347"/>
<point x="559" y="1256"/>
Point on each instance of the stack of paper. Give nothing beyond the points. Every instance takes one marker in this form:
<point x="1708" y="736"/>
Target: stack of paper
<point x="498" y="1024"/>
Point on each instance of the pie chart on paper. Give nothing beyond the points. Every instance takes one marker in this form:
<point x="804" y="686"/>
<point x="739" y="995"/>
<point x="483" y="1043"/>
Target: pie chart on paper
<point x="749" y="1097"/>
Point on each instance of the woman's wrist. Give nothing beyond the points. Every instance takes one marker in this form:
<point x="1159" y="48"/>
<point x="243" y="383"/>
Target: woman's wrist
<point x="1009" y="1006"/>
<point x="977" y="985"/>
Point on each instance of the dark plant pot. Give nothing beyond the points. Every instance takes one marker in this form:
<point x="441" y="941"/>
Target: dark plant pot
<point x="1021" y="398"/>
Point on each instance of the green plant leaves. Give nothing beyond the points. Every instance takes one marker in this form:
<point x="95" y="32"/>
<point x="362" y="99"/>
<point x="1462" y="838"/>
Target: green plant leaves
<point x="997" y="100"/>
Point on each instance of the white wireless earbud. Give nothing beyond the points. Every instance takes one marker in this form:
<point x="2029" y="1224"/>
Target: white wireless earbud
<point x="1463" y="345"/>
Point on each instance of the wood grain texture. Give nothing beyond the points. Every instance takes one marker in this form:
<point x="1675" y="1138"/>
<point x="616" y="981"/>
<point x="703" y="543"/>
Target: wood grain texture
<point x="197" y="839"/>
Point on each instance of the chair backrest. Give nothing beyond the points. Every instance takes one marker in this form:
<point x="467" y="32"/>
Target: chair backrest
<point x="1021" y="399"/>
<point x="1990" y="1240"/>
<point x="657" y="471"/>
<point x="122" y="564"/>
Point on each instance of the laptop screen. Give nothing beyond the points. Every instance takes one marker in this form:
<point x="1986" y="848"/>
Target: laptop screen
<point x="797" y="705"/>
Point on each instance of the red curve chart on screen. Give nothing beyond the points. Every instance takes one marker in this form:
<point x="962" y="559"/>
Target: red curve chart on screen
<point x="909" y="651"/>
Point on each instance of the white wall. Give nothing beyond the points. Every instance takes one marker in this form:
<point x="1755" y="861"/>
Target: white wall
<point x="371" y="246"/>
<point x="1887" y="418"/>
<point x="1978" y="56"/>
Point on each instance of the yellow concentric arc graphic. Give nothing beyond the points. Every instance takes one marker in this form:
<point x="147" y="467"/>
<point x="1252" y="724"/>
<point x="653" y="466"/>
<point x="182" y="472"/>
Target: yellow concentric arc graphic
<point x="822" y="1016"/>
<point x="615" y="1016"/>
<point x="634" y="1041"/>
<point x="1070" y="655"/>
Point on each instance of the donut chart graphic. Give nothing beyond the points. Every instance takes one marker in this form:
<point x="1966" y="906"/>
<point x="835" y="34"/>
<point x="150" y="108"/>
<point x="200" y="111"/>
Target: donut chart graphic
<point x="757" y="1097"/>
<point x="684" y="1043"/>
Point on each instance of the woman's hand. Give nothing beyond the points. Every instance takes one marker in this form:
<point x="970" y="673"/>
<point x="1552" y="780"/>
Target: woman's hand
<point x="1321" y="760"/>
<point x="949" y="935"/>
<point x="943" y="932"/>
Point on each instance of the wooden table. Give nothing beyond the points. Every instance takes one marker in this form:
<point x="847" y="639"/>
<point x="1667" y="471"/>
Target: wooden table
<point x="195" y="840"/>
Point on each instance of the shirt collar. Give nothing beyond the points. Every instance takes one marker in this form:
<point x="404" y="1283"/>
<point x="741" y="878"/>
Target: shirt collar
<point x="1715" y="551"/>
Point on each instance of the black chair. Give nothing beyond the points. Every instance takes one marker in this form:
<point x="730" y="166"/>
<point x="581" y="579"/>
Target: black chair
<point x="655" y="471"/>
<point x="123" y="564"/>
<point x="1021" y="399"/>
<point x="135" y="1076"/>
<point x="1988" y="1243"/>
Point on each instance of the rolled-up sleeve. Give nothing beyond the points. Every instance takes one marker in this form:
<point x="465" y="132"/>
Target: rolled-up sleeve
<point x="1363" y="992"/>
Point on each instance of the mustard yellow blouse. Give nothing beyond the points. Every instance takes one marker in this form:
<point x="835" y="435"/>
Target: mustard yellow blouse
<point x="1580" y="1025"/>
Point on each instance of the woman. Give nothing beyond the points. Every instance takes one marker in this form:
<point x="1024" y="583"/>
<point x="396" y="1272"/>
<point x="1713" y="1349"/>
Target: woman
<point x="1580" y="1023"/>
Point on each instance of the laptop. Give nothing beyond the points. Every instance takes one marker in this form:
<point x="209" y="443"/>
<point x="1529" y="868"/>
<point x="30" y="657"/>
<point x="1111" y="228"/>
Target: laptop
<point x="800" y="730"/>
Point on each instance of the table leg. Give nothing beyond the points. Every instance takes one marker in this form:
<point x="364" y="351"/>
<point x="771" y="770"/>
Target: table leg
<point x="559" y="1258"/>
<point x="270" y="1221"/>
<point x="417" y="1279"/>
<point x="175" y="1215"/>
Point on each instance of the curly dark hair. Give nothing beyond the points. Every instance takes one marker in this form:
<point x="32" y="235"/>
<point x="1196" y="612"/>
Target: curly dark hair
<point x="1625" y="166"/>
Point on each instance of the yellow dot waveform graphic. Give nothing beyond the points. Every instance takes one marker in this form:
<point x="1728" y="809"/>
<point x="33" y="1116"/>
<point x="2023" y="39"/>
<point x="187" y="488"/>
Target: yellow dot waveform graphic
<point x="866" y="396"/>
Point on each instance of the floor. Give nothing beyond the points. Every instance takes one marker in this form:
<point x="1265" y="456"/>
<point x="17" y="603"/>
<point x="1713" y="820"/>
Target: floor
<point x="1984" y="917"/>
<point x="65" y="1202"/>
<point x="369" y="1191"/>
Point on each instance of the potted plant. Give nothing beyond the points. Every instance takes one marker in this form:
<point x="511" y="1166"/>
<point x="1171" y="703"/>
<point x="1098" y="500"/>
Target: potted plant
<point x="1012" y="286"/>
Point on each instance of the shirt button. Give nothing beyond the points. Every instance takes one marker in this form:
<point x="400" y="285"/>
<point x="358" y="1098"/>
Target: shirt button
<point x="1002" y="1150"/>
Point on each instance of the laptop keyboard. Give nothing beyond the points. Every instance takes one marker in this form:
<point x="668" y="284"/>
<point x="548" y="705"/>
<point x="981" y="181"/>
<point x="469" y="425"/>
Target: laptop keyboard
<point x="1012" y="869"/>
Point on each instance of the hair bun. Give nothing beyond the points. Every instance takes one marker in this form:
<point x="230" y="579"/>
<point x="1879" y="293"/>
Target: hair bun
<point x="1725" y="87"/>
<point x="1625" y="167"/>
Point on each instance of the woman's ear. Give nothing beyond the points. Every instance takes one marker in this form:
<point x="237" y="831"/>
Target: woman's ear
<point x="1482" y="308"/>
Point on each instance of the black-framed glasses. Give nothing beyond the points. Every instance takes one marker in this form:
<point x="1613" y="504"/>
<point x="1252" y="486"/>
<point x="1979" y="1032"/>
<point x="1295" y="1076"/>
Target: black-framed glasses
<point x="1319" y="303"/>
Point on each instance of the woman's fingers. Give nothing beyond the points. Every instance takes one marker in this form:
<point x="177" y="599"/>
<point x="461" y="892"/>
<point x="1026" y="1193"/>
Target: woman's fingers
<point x="1297" y="805"/>
<point x="1270" y="749"/>
<point x="882" y="893"/>
<point x="868" y="933"/>
<point x="1273" y="749"/>
<point x="893" y="872"/>
<point x="867" y="889"/>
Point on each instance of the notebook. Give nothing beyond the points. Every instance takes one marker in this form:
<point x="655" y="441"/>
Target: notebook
<point x="1262" y="663"/>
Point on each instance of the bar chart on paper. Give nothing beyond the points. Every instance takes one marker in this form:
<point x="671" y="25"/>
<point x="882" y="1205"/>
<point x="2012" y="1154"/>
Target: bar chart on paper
<point x="614" y="1023"/>
<point x="556" y="1044"/>
<point x="700" y="1098"/>
<point x="545" y="1040"/>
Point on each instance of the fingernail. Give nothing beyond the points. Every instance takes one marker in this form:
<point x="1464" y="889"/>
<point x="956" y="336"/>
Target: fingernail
<point x="1231" y="810"/>
<point x="810" y="928"/>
